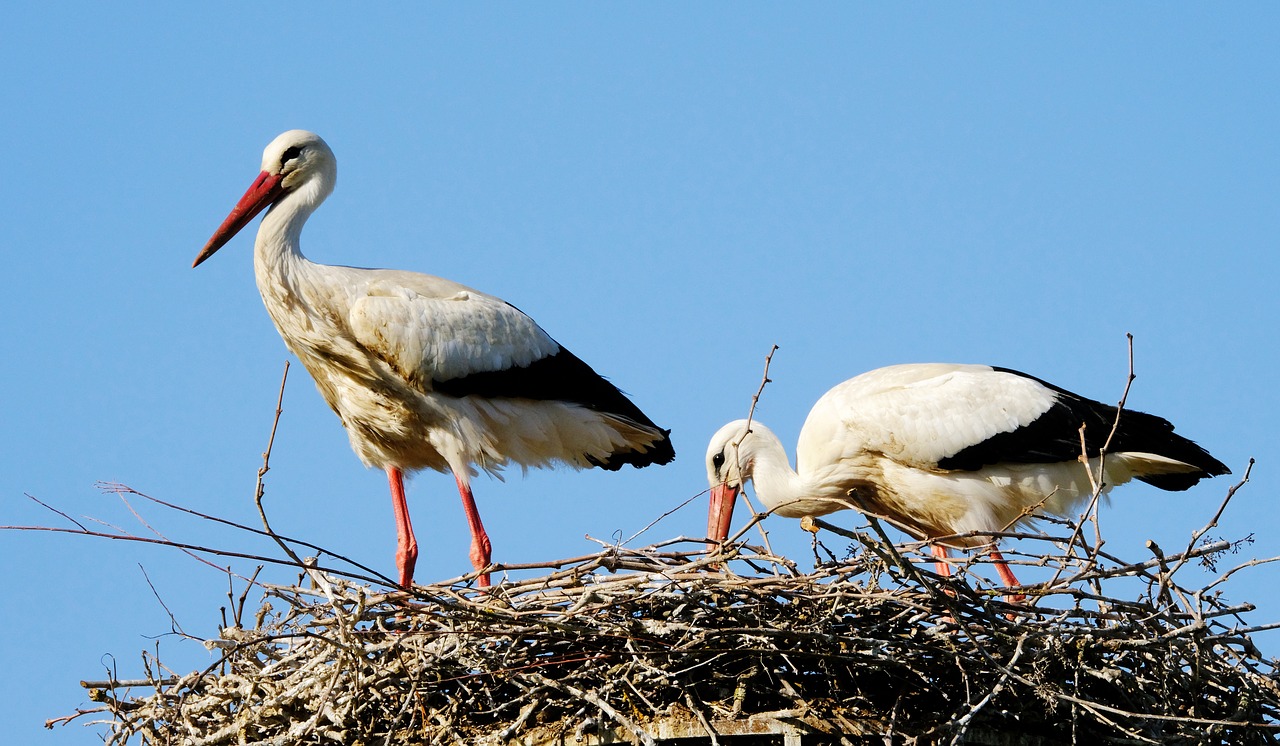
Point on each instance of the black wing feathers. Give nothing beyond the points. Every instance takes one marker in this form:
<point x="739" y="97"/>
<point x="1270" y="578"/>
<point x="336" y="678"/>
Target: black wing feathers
<point x="1055" y="437"/>
<point x="566" y="378"/>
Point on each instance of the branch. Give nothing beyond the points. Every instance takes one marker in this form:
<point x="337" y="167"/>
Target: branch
<point x="261" y="489"/>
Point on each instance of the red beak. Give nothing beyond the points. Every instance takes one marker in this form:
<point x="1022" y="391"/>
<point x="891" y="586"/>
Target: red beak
<point x="266" y="189"/>
<point x="720" y="515"/>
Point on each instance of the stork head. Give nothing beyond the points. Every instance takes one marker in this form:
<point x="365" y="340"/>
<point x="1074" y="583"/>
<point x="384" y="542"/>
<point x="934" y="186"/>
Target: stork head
<point x="297" y="162"/>
<point x="731" y="457"/>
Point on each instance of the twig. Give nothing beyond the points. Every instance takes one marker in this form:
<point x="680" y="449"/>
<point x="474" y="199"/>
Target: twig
<point x="199" y="548"/>
<point x="117" y="487"/>
<point x="55" y="510"/>
<point x="657" y="520"/>
<point x="764" y="381"/>
<point x="260" y="489"/>
<point x="173" y="621"/>
<point x="751" y="413"/>
<point x="1213" y="522"/>
<point x="1098" y="482"/>
<point x="127" y="683"/>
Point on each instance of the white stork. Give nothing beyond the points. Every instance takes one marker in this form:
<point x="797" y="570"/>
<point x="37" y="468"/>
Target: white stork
<point x="942" y="449"/>
<point x="424" y="372"/>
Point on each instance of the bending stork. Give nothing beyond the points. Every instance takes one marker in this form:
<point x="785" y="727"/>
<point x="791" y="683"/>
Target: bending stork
<point x="942" y="449"/>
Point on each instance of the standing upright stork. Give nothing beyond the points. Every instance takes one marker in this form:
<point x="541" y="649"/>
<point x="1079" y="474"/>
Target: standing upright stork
<point x="422" y="371"/>
<point x="942" y="450"/>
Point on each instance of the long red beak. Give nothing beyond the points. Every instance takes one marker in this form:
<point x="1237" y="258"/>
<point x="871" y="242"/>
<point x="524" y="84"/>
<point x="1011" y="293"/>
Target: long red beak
<point x="720" y="515"/>
<point x="265" y="190"/>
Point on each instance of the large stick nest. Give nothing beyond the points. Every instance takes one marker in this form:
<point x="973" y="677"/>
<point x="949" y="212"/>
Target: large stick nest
<point x="630" y="644"/>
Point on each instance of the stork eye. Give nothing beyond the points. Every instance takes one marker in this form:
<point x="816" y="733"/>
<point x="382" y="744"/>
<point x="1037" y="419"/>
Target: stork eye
<point x="718" y="460"/>
<point x="290" y="154"/>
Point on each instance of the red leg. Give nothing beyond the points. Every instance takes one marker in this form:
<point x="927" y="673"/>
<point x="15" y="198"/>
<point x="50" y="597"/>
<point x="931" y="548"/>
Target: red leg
<point x="407" y="544"/>
<point x="480" y="548"/>
<point x="1007" y="576"/>
<point x="944" y="568"/>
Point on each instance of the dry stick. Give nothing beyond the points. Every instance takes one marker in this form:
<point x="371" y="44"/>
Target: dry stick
<point x="238" y="612"/>
<point x="507" y="566"/>
<point x="1244" y="566"/>
<point x="884" y="550"/>
<point x="967" y="718"/>
<point x="763" y="381"/>
<point x="1160" y="596"/>
<point x="118" y="487"/>
<point x="593" y="698"/>
<point x="65" y="719"/>
<point x="1198" y="595"/>
<point x="126" y="683"/>
<point x="525" y="712"/>
<point x="153" y="530"/>
<point x="1152" y="715"/>
<point x="198" y="548"/>
<point x="55" y="510"/>
<point x="873" y="519"/>
<point x="1100" y="483"/>
<point x="81" y="530"/>
<point x="1027" y="512"/>
<point x="914" y="572"/>
<point x="1213" y="522"/>
<point x="261" y="487"/>
<point x="657" y="520"/>
<point x="697" y="712"/>
<point x="1093" y="706"/>
<point x="1138" y="569"/>
<point x="173" y="621"/>
<point x="888" y="557"/>
<point x="770" y="557"/>
<point x="1102" y="454"/>
<point x="755" y="399"/>
<point x="1097" y="483"/>
<point x="299" y="731"/>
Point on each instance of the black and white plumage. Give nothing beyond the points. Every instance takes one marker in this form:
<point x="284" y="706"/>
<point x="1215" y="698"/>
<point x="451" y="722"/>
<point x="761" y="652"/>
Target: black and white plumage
<point x="422" y="371"/>
<point x="943" y="450"/>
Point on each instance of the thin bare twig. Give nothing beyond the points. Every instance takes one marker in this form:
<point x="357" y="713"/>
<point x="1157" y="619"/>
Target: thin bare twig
<point x="117" y="488"/>
<point x="751" y="413"/>
<point x="260" y="489"/>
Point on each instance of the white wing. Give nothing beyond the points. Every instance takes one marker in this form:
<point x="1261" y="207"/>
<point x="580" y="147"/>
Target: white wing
<point x="431" y="329"/>
<point x="921" y="414"/>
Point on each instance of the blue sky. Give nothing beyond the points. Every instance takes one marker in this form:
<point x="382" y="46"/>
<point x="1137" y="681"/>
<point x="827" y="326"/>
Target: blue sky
<point x="669" y="191"/>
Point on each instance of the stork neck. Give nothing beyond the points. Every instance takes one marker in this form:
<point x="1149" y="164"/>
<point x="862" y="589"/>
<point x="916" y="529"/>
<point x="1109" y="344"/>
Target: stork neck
<point x="279" y="241"/>
<point x="777" y="484"/>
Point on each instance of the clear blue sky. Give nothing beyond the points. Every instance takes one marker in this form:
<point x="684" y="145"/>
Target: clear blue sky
<point x="668" y="191"/>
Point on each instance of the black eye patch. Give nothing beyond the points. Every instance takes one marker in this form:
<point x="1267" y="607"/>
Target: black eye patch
<point x="718" y="460"/>
<point x="290" y="154"/>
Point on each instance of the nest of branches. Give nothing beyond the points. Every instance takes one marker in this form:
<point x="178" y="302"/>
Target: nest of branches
<point x="668" y="642"/>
